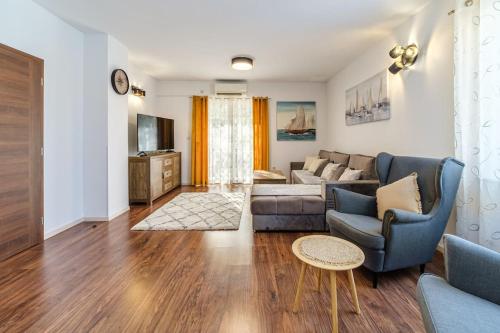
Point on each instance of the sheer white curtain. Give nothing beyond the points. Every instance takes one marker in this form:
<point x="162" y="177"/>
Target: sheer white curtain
<point x="477" y="119"/>
<point x="230" y="140"/>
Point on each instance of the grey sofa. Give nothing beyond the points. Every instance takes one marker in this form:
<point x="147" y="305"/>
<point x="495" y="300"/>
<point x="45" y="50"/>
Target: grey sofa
<point x="368" y="183"/>
<point x="468" y="299"/>
<point x="403" y="239"/>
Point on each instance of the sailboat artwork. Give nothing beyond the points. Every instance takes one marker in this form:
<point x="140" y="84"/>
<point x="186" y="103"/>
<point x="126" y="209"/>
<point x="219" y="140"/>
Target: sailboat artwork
<point x="368" y="101"/>
<point x="296" y="121"/>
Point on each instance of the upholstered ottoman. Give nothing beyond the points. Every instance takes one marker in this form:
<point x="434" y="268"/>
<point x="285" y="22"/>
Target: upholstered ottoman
<point x="287" y="208"/>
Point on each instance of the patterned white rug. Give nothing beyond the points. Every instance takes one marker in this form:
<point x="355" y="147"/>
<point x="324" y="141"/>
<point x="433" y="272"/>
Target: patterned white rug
<point x="197" y="211"/>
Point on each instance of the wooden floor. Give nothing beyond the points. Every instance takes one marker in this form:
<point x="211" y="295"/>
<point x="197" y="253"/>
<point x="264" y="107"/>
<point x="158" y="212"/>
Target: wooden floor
<point x="101" y="277"/>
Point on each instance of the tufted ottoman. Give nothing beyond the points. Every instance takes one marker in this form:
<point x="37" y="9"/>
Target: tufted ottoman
<point x="288" y="208"/>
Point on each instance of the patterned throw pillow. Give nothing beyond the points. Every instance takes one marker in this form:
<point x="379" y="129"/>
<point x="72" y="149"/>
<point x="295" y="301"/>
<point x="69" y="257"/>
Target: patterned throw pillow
<point x="329" y="171"/>
<point x="402" y="194"/>
<point x="350" y="174"/>
<point x="309" y="160"/>
<point x="316" y="164"/>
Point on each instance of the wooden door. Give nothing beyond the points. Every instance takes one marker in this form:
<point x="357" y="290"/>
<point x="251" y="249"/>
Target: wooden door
<point x="21" y="155"/>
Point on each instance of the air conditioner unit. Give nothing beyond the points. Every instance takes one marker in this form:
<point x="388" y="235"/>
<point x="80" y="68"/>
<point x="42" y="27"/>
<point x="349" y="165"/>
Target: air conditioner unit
<point x="231" y="88"/>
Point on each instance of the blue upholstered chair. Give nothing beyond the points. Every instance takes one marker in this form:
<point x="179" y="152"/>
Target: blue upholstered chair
<point x="468" y="299"/>
<point x="403" y="239"/>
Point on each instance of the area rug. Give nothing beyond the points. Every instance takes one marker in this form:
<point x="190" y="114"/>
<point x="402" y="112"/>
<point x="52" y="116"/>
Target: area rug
<point x="197" y="211"/>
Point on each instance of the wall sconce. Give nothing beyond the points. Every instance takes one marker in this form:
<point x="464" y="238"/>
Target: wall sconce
<point x="404" y="56"/>
<point x="136" y="91"/>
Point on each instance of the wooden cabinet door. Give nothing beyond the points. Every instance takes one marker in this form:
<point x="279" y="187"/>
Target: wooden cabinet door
<point x="156" y="177"/>
<point x="21" y="144"/>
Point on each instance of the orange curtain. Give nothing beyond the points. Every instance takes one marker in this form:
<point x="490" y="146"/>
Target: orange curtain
<point x="260" y="133"/>
<point x="199" y="141"/>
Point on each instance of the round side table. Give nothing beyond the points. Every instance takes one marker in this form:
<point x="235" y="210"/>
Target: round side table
<point x="331" y="254"/>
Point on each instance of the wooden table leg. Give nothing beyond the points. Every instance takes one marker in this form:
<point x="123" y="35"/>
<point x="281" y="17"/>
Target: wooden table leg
<point x="319" y="279"/>
<point x="300" y="286"/>
<point x="354" y="294"/>
<point x="333" y="292"/>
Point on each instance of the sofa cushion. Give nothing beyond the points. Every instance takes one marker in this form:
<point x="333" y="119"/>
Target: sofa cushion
<point x="313" y="205"/>
<point x="316" y="164"/>
<point x="287" y="205"/>
<point x="324" y="154"/>
<point x="340" y="158"/>
<point x="321" y="167"/>
<point x="263" y="205"/>
<point x="308" y="162"/>
<point x="329" y="171"/>
<point x="365" y="163"/>
<point x="350" y="175"/>
<point x="305" y="177"/>
<point x="448" y="309"/>
<point x="363" y="230"/>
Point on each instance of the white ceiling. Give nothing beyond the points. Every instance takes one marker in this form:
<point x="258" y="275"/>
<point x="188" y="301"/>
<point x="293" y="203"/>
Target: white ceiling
<point x="291" y="40"/>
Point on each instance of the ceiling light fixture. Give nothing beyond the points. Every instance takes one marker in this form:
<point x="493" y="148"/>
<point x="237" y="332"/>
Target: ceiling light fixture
<point x="242" y="63"/>
<point x="404" y="57"/>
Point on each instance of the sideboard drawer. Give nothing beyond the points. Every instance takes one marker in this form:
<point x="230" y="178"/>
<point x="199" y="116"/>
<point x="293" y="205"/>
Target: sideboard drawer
<point x="168" y="161"/>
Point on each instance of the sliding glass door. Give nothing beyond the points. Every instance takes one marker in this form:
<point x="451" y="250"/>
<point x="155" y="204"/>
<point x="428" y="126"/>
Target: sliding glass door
<point x="230" y="140"/>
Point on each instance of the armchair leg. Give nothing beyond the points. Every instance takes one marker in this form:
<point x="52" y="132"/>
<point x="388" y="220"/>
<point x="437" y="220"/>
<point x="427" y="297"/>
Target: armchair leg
<point x="422" y="269"/>
<point x="375" y="280"/>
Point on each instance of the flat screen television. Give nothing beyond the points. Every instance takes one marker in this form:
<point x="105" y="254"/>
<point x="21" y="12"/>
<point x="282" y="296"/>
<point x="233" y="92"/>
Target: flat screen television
<point x="154" y="133"/>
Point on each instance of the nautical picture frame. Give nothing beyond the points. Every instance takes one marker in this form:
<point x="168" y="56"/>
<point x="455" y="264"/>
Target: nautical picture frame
<point x="369" y="101"/>
<point x="296" y="121"/>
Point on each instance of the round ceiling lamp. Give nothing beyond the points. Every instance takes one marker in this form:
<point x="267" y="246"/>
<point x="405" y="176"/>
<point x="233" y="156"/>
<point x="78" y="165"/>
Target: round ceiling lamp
<point x="242" y="63"/>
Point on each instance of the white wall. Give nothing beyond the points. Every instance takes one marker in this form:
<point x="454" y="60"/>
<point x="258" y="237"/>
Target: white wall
<point x="28" y="27"/>
<point x="117" y="134"/>
<point x="95" y="124"/>
<point x="142" y="105"/>
<point x="422" y="98"/>
<point x="173" y="101"/>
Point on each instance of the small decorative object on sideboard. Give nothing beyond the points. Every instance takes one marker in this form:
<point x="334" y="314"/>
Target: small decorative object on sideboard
<point x="120" y="82"/>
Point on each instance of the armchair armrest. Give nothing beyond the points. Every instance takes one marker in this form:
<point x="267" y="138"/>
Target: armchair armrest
<point x="354" y="203"/>
<point x="404" y="216"/>
<point x="472" y="268"/>
<point x="410" y="238"/>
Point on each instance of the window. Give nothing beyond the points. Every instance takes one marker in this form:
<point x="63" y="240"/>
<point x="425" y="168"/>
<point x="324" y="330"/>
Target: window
<point x="230" y="140"/>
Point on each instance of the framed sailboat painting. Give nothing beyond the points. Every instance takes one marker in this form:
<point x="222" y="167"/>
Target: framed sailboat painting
<point x="296" y="121"/>
<point x="368" y="101"/>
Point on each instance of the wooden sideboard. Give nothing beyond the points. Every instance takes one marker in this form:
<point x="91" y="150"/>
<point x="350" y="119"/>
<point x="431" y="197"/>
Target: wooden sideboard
<point x="150" y="177"/>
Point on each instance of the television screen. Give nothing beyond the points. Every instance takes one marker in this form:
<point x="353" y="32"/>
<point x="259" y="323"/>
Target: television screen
<point x="154" y="133"/>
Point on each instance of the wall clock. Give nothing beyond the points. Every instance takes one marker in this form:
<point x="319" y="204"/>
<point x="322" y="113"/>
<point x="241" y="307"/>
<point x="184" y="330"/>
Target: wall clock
<point x="119" y="81"/>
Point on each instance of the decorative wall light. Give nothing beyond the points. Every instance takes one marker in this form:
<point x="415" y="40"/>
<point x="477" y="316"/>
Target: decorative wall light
<point x="136" y="91"/>
<point x="242" y="63"/>
<point x="404" y="56"/>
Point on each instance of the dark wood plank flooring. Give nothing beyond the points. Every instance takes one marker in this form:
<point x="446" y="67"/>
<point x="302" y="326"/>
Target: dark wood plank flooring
<point x="102" y="277"/>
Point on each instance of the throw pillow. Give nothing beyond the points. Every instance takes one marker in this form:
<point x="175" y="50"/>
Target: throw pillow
<point x="316" y="164"/>
<point x="339" y="172"/>
<point x="329" y="171"/>
<point x="402" y="194"/>
<point x="309" y="160"/>
<point x="321" y="167"/>
<point x="350" y="174"/>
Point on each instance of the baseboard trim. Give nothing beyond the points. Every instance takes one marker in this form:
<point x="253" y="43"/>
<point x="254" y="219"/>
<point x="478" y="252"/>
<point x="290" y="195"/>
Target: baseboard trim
<point x="62" y="228"/>
<point x="115" y="215"/>
<point x="105" y="218"/>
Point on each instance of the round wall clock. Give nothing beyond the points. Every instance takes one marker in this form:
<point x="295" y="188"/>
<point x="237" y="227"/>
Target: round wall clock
<point x="119" y="81"/>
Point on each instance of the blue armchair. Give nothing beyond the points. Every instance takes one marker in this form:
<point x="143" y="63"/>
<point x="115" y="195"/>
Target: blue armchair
<point x="403" y="239"/>
<point x="468" y="300"/>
